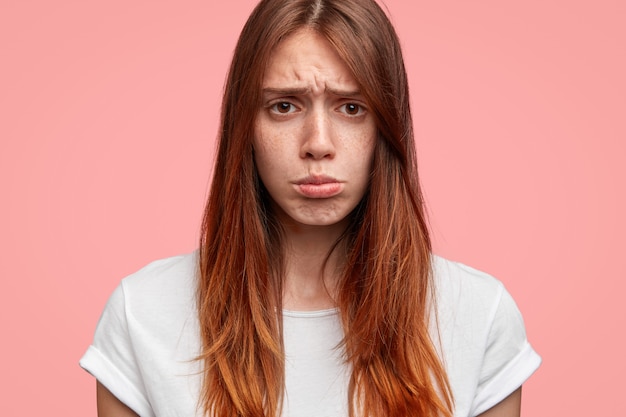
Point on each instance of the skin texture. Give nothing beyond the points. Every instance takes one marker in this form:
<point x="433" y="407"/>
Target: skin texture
<point x="509" y="407"/>
<point x="313" y="147"/>
<point x="109" y="405"/>
<point x="313" y="124"/>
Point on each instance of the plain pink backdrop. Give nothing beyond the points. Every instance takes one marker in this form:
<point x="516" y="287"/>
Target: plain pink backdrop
<point x="108" y="111"/>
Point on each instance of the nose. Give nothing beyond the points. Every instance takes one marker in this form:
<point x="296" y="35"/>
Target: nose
<point x="317" y="133"/>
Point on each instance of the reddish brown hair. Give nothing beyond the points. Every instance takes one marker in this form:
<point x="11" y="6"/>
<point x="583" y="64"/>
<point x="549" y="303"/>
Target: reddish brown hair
<point x="385" y="293"/>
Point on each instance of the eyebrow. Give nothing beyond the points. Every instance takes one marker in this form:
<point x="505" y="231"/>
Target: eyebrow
<point x="286" y="91"/>
<point x="305" y="90"/>
<point x="344" y="93"/>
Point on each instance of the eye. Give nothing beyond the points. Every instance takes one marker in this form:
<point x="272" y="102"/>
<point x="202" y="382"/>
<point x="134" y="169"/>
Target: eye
<point x="352" y="109"/>
<point x="283" y="107"/>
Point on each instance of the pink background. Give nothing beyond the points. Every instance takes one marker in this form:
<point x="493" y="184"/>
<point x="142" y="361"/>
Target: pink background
<point x="108" y="111"/>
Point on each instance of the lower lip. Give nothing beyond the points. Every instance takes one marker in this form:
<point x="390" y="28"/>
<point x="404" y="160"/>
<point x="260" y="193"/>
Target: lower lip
<point x="326" y="190"/>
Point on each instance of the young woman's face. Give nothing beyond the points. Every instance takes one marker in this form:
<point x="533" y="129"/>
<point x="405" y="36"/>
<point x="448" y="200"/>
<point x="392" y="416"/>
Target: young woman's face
<point x="314" y="135"/>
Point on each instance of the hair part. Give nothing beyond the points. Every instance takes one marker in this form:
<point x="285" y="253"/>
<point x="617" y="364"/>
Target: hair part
<point x="385" y="294"/>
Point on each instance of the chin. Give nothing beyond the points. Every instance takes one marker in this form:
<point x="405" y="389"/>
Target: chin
<point x="312" y="215"/>
<point x="321" y="220"/>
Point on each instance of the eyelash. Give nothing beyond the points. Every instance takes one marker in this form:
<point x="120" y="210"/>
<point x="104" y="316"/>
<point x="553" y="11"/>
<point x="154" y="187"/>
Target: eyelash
<point x="274" y="107"/>
<point x="359" y="108"/>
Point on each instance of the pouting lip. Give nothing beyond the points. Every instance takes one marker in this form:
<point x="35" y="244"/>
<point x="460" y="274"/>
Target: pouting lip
<point x="316" y="180"/>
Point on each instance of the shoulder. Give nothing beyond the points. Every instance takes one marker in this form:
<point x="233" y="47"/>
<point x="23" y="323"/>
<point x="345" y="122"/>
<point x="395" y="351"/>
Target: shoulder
<point x="481" y="335"/>
<point x="147" y="338"/>
<point x="158" y="295"/>
<point x="167" y="272"/>
<point x="469" y="302"/>
<point x="462" y="291"/>
<point x="162" y="289"/>
<point x="456" y="279"/>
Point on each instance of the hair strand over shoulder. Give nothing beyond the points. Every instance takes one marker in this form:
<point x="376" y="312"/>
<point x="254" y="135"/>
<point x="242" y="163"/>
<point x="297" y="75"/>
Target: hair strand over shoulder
<point x="386" y="292"/>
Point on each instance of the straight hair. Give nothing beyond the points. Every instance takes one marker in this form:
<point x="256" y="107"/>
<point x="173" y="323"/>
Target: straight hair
<point x="385" y="295"/>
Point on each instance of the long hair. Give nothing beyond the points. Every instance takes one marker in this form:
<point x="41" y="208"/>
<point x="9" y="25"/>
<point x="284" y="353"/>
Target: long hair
<point x="385" y="293"/>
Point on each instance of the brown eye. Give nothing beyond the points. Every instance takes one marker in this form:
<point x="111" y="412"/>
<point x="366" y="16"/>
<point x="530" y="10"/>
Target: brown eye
<point x="283" y="107"/>
<point x="352" y="109"/>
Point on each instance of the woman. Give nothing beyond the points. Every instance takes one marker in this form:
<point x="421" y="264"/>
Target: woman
<point x="314" y="291"/>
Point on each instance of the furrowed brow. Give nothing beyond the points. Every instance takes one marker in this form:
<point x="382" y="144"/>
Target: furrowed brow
<point x="344" y="93"/>
<point x="285" y="91"/>
<point x="304" y="90"/>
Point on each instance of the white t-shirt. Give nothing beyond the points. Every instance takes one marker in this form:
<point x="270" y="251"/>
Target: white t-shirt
<point x="147" y="340"/>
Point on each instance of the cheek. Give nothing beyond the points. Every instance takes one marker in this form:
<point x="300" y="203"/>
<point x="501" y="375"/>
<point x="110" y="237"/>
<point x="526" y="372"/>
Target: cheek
<point x="275" y="148"/>
<point x="267" y="140"/>
<point x="269" y="161"/>
<point x="363" y="150"/>
<point x="262" y="149"/>
<point x="264" y="163"/>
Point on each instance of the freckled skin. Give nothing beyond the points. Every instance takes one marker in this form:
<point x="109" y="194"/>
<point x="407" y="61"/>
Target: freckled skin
<point x="313" y="127"/>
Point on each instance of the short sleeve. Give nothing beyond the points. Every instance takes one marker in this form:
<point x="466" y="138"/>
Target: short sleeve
<point x="508" y="360"/>
<point x="111" y="358"/>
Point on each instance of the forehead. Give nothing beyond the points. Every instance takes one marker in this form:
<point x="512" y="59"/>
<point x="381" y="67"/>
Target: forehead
<point x="306" y="59"/>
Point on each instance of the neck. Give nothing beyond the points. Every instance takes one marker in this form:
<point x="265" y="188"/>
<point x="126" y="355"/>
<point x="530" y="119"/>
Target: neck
<point x="311" y="269"/>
